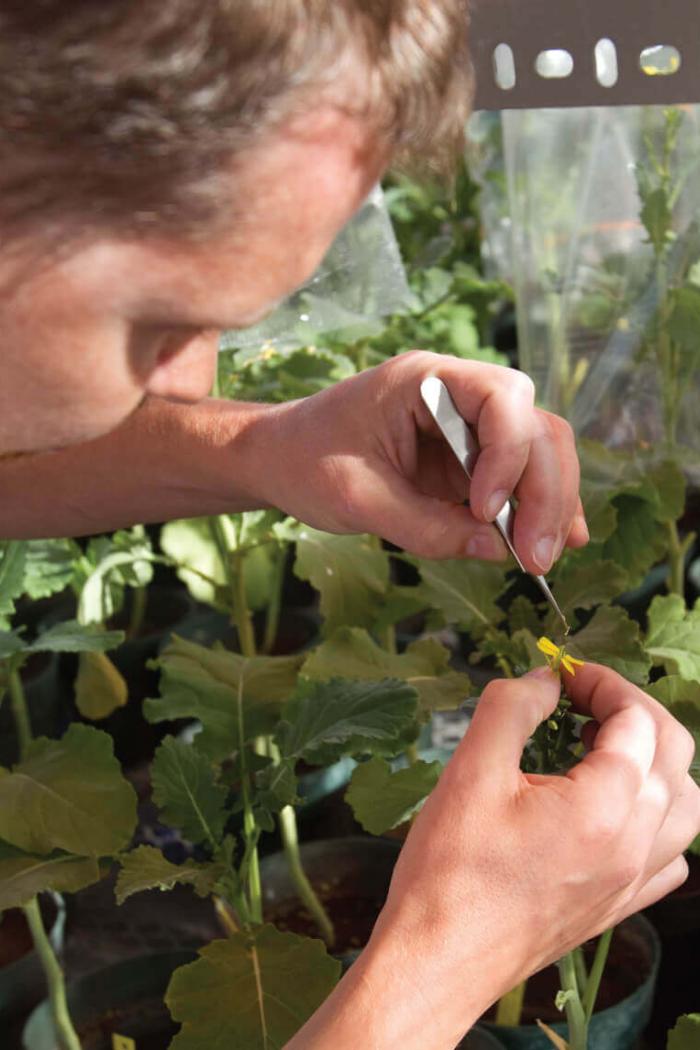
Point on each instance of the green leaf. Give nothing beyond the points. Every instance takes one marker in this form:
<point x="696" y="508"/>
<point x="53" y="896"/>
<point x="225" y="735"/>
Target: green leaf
<point x="674" y="688"/>
<point x="190" y="543"/>
<point x="584" y="586"/>
<point x="99" y="687"/>
<point x="326" y="720"/>
<point x="464" y="591"/>
<point x="50" y="566"/>
<point x="673" y="636"/>
<point x="11" y="578"/>
<point x="70" y="795"/>
<point x="186" y="792"/>
<point x="522" y="615"/>
<point x="23" y="875"/>
<point x="73" y="637"/>
<point x="612" y="638"/>
<point x="111" y="564"/>
<point x="202" y="683"/>
<point x="349" y="572"/>
<point x="276" y="786"/>
<point x="639" y="540"/>
<point x="250" y="992"/>
<point x="657" y="218"/>
<point x="351" y="653"/>
<point x="686" y="1034"/>
<point x="683" y="323"/>
<point x="11" y="643"/>
<point x="145" y="868"/>
<point x="382" y="800"/>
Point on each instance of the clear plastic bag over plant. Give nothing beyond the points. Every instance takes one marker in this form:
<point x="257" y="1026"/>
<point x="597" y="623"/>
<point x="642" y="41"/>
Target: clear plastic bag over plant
<point x="594" y="215"/>
<point x="360" y="281"/>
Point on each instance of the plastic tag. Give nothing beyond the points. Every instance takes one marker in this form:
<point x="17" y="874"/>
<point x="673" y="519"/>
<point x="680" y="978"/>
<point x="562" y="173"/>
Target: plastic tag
<point x="122" y="1042"/>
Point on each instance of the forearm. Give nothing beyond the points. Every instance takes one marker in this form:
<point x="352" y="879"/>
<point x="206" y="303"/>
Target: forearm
<point x="398" y="993"/>
<point x="166" y="461"/>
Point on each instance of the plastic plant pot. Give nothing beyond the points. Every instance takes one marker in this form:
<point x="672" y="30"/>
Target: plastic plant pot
<point x="616" y="1028"/>
<point x="124" y="999"/>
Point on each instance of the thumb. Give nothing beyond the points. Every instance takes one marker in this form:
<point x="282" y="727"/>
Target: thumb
<point x="507" y="715"/>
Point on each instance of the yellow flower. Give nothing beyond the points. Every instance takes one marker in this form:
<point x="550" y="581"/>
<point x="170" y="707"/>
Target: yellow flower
<point x="557" y="656"/>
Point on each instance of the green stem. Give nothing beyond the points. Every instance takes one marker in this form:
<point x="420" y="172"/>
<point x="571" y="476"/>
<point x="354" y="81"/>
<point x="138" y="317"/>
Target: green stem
<point x="580" y="964"/>
<point x="412" y="753"/>
<point x="290" y="841"/>
<point x="20" y="712"/>
<point x="250" y="830"/>
<point x="510" y="1007"/>
<point x="67" y="1035"/>
<point x="575" y="1014"/>
<point x="274" y="608"/>
<point x="594" y="979"/>
<point x="241" y="613"/>
<point x="677" y="551"/>
<point x="139" y="600"/>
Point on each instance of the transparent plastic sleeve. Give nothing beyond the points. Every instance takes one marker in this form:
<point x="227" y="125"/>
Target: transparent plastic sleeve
<point x="594" y="216"/>
<point x="360" y="281"/>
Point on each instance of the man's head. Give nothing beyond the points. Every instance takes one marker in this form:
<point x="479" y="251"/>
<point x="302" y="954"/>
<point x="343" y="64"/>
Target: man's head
<point x="171" y="167"/>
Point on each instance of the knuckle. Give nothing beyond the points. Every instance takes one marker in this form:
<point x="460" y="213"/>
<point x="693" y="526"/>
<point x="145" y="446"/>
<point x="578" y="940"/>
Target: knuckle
<point x="598" y="830"/>
<point x="522" y="385"/>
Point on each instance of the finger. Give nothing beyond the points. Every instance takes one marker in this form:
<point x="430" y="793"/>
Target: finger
<point x="680" y="825"/>
<point x="431" y="528"/>
<point x="506" y="716"/>
<point x="499" y="404"/>
<point x="579" y="535"/>
<point x="547" y="495"/>
<point x="588" y="734"/>
<point x="660" y="885"/>
<point x="600" y="691"/>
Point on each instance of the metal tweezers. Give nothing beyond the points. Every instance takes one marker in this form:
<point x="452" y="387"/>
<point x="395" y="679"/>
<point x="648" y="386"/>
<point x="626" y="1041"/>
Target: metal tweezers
<point x="462" y="442"/>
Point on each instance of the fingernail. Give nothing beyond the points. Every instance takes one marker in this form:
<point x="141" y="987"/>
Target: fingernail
<point x="582" y="524"/>
<point x="481" y="547"/>
<point x="539" y="672"/>
<point x="495" y="504"/>
<point x="544" y="553"/>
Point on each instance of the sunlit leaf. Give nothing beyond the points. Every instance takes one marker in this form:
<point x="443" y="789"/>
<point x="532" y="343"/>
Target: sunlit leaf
<point x="673" y="636"/>
<point x="99" y="687"/>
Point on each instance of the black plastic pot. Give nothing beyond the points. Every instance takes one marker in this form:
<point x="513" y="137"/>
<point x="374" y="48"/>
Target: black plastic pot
<point x="352" y="877"/>
<point x="22" y="980"/>
<point x="123" y="999"/>
<point x="616" y="1028"/>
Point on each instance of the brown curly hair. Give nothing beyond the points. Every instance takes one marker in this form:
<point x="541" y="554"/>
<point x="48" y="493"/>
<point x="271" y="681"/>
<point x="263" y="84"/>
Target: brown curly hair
<point x="122" y="114"/>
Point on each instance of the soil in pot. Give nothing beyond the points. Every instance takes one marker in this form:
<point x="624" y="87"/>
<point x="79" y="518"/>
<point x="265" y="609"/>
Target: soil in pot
<point x="629" y="964"/>
<point x="148" y="1023"/>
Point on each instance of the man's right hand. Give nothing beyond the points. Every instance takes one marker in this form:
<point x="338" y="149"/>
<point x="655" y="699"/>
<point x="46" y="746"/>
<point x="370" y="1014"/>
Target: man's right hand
<point x="505" y="872"/>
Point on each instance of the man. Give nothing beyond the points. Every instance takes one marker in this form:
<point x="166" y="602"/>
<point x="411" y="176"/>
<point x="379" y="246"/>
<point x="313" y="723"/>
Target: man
<point x="173" y="167"/>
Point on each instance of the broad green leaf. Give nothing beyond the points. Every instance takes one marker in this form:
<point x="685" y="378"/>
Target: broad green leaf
<point x="202" y="683"/>
<point x="73" y="637"/>
<point x="584" y="586"/>
<point x="639" y="539"/>
<point x="382" y="800"/>
<point x="673" y="636"/>
<point x="400" y="603"/>
<point x="70" y="795"/>
<point x="145" y="868"/>
<point x="683" y="322"/>
<point x="11" y="643"/>
<point x="276" y="786"/>
<point x="612" y="638"/>
<point x="11" y="578"/>
<point x="687" y="713"/>
<point x="190" y="543"/>
<point x="522" y="615"/>
<point x="326" y="720"/>
<point x="351" y="653"/>
<point x="50" y="566"/>
<point x="250" y="992"/>
<point x="99" y="687"/>
<point x="350" y="573"/>
<point x="464" y="591"/>
<point x="673" y="688"/>
<point x="686" y="1033"/>
<point x="23" y="875"/>
<point x="519" y="650"/>
<point x="601" y="515"/>
<point x="186" y="792"/>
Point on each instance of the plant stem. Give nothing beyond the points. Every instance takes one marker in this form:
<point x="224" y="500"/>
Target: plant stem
<point x="20" y="712"/>
<point x="594" y="979"/>
<point x="67" y="1035"/>
<point x="412" y="753"/>
<point x="274" y="608"/>
<point x="510" y="1007"/>
<point x="139" y="600"/>
<point x="241" y="613"/>
<point x="575" y="1014"/>
<point x="581" y="972"/>
<point x="250" y="830"/>
<point x="677" y="551"/>
<point x="290" y="841"/>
